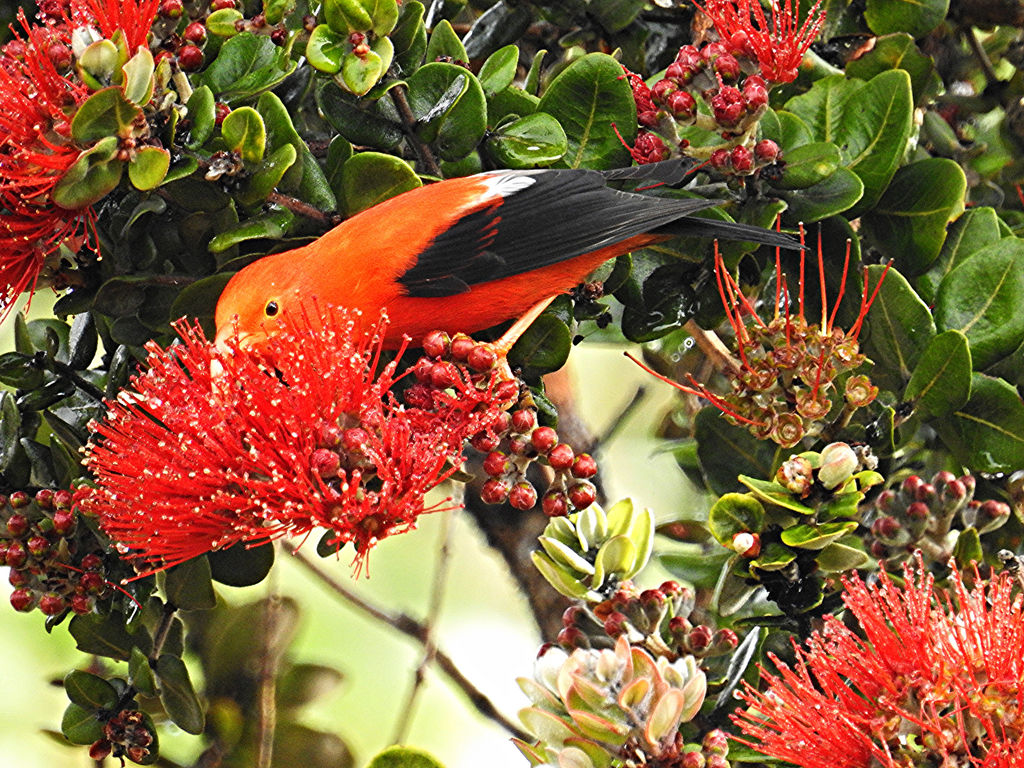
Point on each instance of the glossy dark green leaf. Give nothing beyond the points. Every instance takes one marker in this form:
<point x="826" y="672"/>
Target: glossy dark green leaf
<point x="102" y="635"/>
<point x="68" y="434"/>
<point x="445" y="44"/>
<point x="941" y="382"/>
<point x="771" y="492"/>
<point x="792" y="133"/>
<point x="46" y="395"/>
<point x="89" y="691"/>
<point x="268" y="176"/>
<point x="130" y="330"/>
<point x="188" y="586"/>
<point x="202" y="116"/>
<point x="238" y="566"/>
<point x="107" y="113"/>
<point x="369" y="178"/>
<point x="314" y="188"/>
<point x="808" y="165"/>
<point x="836" y="194"/>
<point x="404" y="757"/>
<point x="666" y="302"/>
<point x="91" y="178"/>
<point x="543" y="348"/>
<point x="247" y="65"/>
<point x="696" y="567"/>
<point x="80" y="725"/>
<point x="735" y="513"/>
<point x="837" y="557"/>
<point x="244" y="132"/>
<point x="982" y="297"/>
<point x="305" y="683"/>
<point x="896" y="51"/>
<point x="18" y="371"/>
<point x="616" y="15"/>
<point x="726" y="451"/>
<point x="987" y="434"/>
<point x="82" y="341"/>
<point x="177" y="694"/>
<point x="276" y="10"/>
<point x="141" y="674"/>
<point x="915" y="17"/>
<point x="281" y="131"/>
<point x="409" y="37"/>
<point x="118" y="372"/>
<point x="272" y="225"/>
<point x="359" y="122"/>
<point x="908" y="224"/>
<point x="121" y="296"/>
<point x="733" y="589"/>
<point x="968" y="549"/>
<point x="451" y="115"/>
<point x="773" y="557"/>
<point x="296" y="744"/>
<point x="591" y="99"/>
<point x="347" y="16"/>
<point x="512" y="102"/>
<point x="498" y="72"/>
<point x="499" y="25"/>
<point x="360" y="73"/>
<point x="975" y="229"/>
<point x="529" y="142"/>
<point x="899" y="327"/>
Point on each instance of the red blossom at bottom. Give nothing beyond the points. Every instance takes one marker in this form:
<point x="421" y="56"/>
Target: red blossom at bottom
<point x="210" y="447"/>
<point x="934" y="681"/>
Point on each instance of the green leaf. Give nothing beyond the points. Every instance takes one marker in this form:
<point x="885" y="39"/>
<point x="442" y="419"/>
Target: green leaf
<point x="836" y="194"/>
<point x="98" y="63"/>
<point x="177" y="694"/>
<point x="808" y="165"/>
<point x="529" y="142"/>
<point x="247" y="65"/>
<point x="450" y="108"/>
<point x="82" y="341"/>
<point x="543" y="348"/>
<point x="840" y="557"/>
<point x="81" y="725"/>
<point x="276" y="10"/>
<point x="409" y="36"/>
<point x="968" y="548"/>
<point x="202" y="112"/>
<point x="188" y="585"/>
<point x="102" y="635"/>
<point x="735" y="513"/>
<point x="148" y="168"/>
<point x="616" y="15"/>
<point x="360" y="73"/>
<point x="384" y="15"/>
<point x="774" y="557"/>
<point x="89" y="691"/>
<point x="345" y="114"/>
<point x="272" y="225"/>
<point x="369" y="178"/>
<point x="773" y="493"/>
<point x="346" y="16"/>
<point x="908" y="224"/>
<point x="93" y="175"/>
<point x="498" y="72"/>
<point x="244" y="132"/>
<point x="976" y="228"/>
<point x="896" y="51"/>
<point x="591" y="99"/>
<point x="18" y="371"/>
<point x="915" y="17"/>
<point x="899" y="327"/>
<point x="445" y="44"/>
<point x="501" y="24"/>
<point x="512" y="102"/>
<point x="270" y="173"/>
<point x="818" y="536"/>
<point x="239" y="566"/>
<point x="138" y="77"/>
<point x="987" y="434"/>
<point x="222" y="22"/>
<point x="304" y="683"/>
<point x="982" y="297"/>
<point x="941" y="382"/>
<point x="326" y="48"/>
<point x="140" y="674"/>
<point x="725" y="451"/>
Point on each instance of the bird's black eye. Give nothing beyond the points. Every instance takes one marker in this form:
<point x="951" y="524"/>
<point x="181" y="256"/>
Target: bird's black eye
<point x="271" y="309"/>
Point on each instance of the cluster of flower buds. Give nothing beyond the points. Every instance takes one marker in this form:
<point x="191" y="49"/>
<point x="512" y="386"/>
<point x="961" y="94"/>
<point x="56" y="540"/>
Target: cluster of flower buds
<point x="830" y="472"/>
<point x="40" y="543"/>
<point x="930" y="516"/>
<point x="128" y="733"/>
<point x="514" y="440"/>
<point x="656" y="619"/>
<point x="600" y="707"/>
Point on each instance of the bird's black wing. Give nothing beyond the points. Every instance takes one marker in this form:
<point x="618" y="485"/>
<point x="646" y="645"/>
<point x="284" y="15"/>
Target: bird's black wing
<point x="549" y="216"/>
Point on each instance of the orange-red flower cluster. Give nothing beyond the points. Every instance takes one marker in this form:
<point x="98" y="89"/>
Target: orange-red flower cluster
<point x="211" y="447"/>
<point x="933" y="680"/>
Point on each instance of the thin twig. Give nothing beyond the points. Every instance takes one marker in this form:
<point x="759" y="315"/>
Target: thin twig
<point x="423" y="152"/>
<point x="45" y="362"/>
<point x="713" y="348"/>
<point x="433" y="611"/>
<point x="302" y="208"/>
<point x="411" y="628"/>
<point x="980" y="55"/>
<point x="267" y="723"/>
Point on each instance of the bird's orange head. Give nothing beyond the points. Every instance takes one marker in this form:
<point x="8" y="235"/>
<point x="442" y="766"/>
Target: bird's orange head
<point x="256" y="302"/>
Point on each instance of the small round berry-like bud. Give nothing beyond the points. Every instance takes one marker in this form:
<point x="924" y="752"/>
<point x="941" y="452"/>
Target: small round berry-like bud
<point x="485" y="441"/>
<point x="220" y="5"/>
<point x="670" y="588"/>
<point x="51" y="604"/>
<point x="63" y="499"/>
<point x="969" y="484"/>
<point x="886" y="500"/>
<point x="496" y="464"/>
<point x="582" y="495"/>
<point x="616" y="624"/>
<point x="728" y="106"/>
<point x="444" y="375"/>
<point x="838" y="462"/>
<point x="648" y="118"/>
<point x="727" y="67"/>
<point x="63" y="522"/>
<point x="461" y="346"/>
<point x="220" y="111"/>
<point x="19" y="499"/>
<point x="520" y="445"/>
<point x="878" y="550"/>
<point x="993" y="510"/>
<point x="710" y="52"/>
<point x="716" y="742"/>
<point x="523" y="496"/>
<point x="699" y="638"/>
<point x="718" y="761"/>
<point x="494" y="491"/>
<point x="766" y="151"/>
<point x="325" y="463"/>
<point x="543" y="439"/>
<point x="561" y="456"/>
<point x="572" y="637"/>
<point x="925" y="492"/>
<point x="22" y="600"/>
<point x="584" y="466"/>
<point x="571" y="615"/>
<point x="195" y="33"/>
<point x="18" y="577"/>
<point x="524" y="419"/>
<point x="437" y="344"/>
<point x="652" y="597"/>
<point x="99" y="750"/>
<point x="662" y="89"/>
<point x="16" y="554"/>
<point x="682" y="106"/>
<point x="555" y="503"/>
<point x="17" y="525"/>
<point x="720" y="160"/>
<point x="190" y="58"/>
<point x="688" y="54"/>
<point x="910" y="485"/>
<point x="680" y="74"/>
<point x="742" y="160"/>
<point x="44" y="498"/>
<point x="356" y="38"/>
<point x="918" y="511"/>
<point x="505" y="391"/>
<point x="482" y="358"/>
<point x="886" y="527"/>
<point x="693" y="759"/>
<point x="725" y="641"/>
<point x="279" y="36"/>
<point x="172" y="9"/>
<point x="746" y="544"/>
<point x="354" y="438"/>
<point x="38" y="546"/>
<point x="91" y="562"/>
<point x="92" y="582"/>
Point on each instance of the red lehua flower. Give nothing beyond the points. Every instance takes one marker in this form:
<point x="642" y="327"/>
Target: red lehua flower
<point x="935" y="680"/>
<point x="36" y="107"/>
<point x="779" y="46"/>
<point x="215" y="447"/>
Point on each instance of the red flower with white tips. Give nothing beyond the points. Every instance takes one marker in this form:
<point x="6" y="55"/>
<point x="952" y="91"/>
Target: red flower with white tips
<point x="211" y="448"/>
<point x="778" y="45"/>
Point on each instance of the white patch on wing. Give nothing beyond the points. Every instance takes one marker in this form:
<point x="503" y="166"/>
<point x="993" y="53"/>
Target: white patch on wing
<point x="506" y="183"/>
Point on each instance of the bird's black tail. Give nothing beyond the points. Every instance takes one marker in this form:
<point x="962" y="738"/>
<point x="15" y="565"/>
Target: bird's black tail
<point x="694" y="226"/>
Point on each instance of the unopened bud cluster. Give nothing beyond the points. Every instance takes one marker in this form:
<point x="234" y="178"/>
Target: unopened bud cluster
<point x="125" y="735"/>
<point x="929" y="516"/>
<point x="656" y="619"/>
<point x="51" y="566"/>
<point x="735" y="101"/>
<point x="514" y="440"/>
<point x="809" y="476"/>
